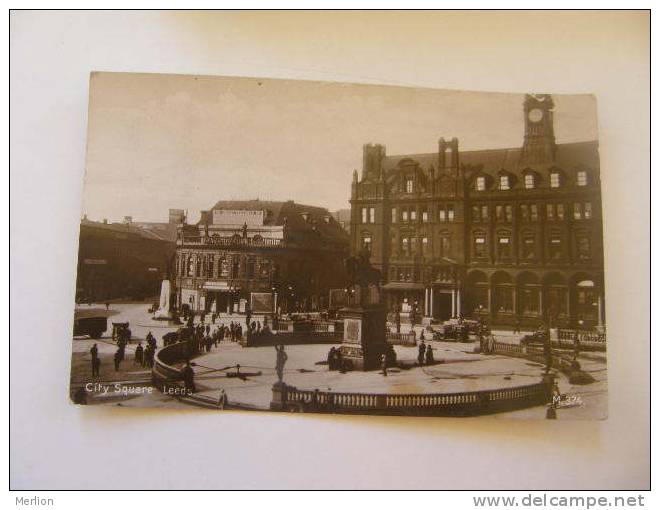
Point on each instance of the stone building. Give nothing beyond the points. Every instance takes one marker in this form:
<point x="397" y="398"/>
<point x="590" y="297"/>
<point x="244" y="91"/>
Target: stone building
<point x="509" y="234"/>
<point x="260" y="255"/>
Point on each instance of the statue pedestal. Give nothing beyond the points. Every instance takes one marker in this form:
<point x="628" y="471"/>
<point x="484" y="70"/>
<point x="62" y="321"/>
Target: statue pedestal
<point x="364" y="336"/>
<point x="278" y="401"/>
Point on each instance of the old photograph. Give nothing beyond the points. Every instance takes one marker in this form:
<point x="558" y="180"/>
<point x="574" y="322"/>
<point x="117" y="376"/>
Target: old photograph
<point x="320" y="247"/>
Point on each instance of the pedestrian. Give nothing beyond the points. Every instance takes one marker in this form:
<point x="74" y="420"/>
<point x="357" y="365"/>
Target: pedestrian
<point x="188" y="376"/>
<point x="96" y="366"/>
<point x="94" y="351"/>
<point x="107" y="306"/>
<point x="421" y="353"/>
<point x="222" y="399"/>
<point x="139" y="354"/>
<point x="516" y="328"/>
<point x="576" y="345"/>
<point x="429" y="355"/>
<point x="421" y="337"/>
<point x="117" y="359"/>
<point x="331" y="359"/>
<point x="383" y="364"/>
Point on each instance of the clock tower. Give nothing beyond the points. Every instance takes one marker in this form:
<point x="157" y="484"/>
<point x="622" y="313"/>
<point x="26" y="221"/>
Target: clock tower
<point x="539" y="145"/>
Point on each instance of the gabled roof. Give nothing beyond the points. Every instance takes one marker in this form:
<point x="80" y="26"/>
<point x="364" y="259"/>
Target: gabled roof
<point x="567" y="155"/>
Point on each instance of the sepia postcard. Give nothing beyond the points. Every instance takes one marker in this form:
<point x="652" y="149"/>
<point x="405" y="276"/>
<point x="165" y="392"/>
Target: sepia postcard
<point x="312" y="247"/>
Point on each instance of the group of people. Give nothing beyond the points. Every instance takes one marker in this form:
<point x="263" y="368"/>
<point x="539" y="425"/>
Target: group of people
<point x="144" y="356"/>
<point x="335" y="360"/>
<point x="424" y="354"/>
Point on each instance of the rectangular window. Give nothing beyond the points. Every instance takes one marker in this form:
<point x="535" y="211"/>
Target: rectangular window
<point x="445" y="246"/>
<point x="450" y="212"/>
<point x="554" y="180"/>
<point x="484" y="212"/>
<point x="509" y="213"/>
<point x="583" y="248"/>
<point x="393" y="214"/>
<point x="404" y="215"/>
<point x="499" y="213"/>
<point x="476" y="216"/>
<point x="504" y="182"/>
<point x="528" y="247"/>
<point x="409" y="185"/>
<point x="442" y="214"/>
<point x="364" y="215"/>
<point x="555" y="247"/>
<point x="479" y="246"/>
<point x="560" y="211"/>
<point x="405" y="245"/>
<point x="425" y="245"/>
<point x="582" y="178"/>
<point x="577" y="211"/>
<point x="504" y="247"/>
<point x="587" y="210"/>
<point x="550" y="211"/>
<point x="372" y="215"/>
<point x="524" y="212"/>
<point x="366" y="243"/>
<point x="481" y="183"/>
<point x="413" y="245"/>
<point x="425" y="216"/>
<point x="533" y="212"/>
<point x="529" y="181"/>
<point x="413" y="215"/>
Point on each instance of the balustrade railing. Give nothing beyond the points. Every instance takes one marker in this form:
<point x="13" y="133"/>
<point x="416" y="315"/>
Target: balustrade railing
<point x="464" y="403"/>
<point x="401" y="338"/>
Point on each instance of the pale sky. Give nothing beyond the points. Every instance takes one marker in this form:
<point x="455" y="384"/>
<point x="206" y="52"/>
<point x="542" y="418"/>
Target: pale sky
<point x="171" y="141"/>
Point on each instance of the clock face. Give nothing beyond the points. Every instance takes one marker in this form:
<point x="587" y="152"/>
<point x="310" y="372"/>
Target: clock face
<point x="535" y="115"/>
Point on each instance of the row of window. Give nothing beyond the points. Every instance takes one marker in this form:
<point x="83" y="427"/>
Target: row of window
<point x="503" y="212"/>
<point x="528" y="247"/>
<point x="409" y="245"/>
<point x="530" y="181"/>
<point x="409" y="214"/>
<point x="530" y="212"/>
<point x="212" y="266"/>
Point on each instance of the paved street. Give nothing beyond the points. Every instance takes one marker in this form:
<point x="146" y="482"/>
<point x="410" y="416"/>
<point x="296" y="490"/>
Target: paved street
<point x="461" y="370"/>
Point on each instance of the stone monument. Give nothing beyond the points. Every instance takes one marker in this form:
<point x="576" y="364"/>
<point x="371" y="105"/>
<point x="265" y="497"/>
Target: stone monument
<point x="164" y="312"/>
<point x="364" y="316"/>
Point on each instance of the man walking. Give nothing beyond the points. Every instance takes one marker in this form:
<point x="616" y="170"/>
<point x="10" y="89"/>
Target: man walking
<point x="94" y="351"/>
<point x="422" y="352"/>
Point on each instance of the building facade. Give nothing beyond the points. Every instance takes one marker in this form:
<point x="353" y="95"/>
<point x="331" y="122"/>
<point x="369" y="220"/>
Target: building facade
<point x="261" y="256"/>
<point x="512" y="235"/>
<point x="121" y="260"/>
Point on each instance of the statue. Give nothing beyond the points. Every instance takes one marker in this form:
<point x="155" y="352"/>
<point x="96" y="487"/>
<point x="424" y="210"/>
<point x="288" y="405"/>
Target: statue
<point x="245" y="230"/>
<point x="360" y="271"/>
<point x="280" y="362"/>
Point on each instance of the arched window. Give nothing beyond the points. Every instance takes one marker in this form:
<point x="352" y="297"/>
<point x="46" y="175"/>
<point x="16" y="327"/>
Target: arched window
<point x="502" y="292"/>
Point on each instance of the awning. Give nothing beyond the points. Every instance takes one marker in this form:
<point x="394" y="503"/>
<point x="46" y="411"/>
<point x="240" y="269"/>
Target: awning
<point x="403" y="286"/>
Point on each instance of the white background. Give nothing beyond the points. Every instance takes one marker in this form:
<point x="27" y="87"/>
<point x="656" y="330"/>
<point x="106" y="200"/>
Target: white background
<point x="57" y="445"/>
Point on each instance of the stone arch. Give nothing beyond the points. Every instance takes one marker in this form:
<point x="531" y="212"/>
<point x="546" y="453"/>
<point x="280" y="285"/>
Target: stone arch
<point x="503" y="293"/>
<point x="477" y="293"/>
<point x="529" y="297"/>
